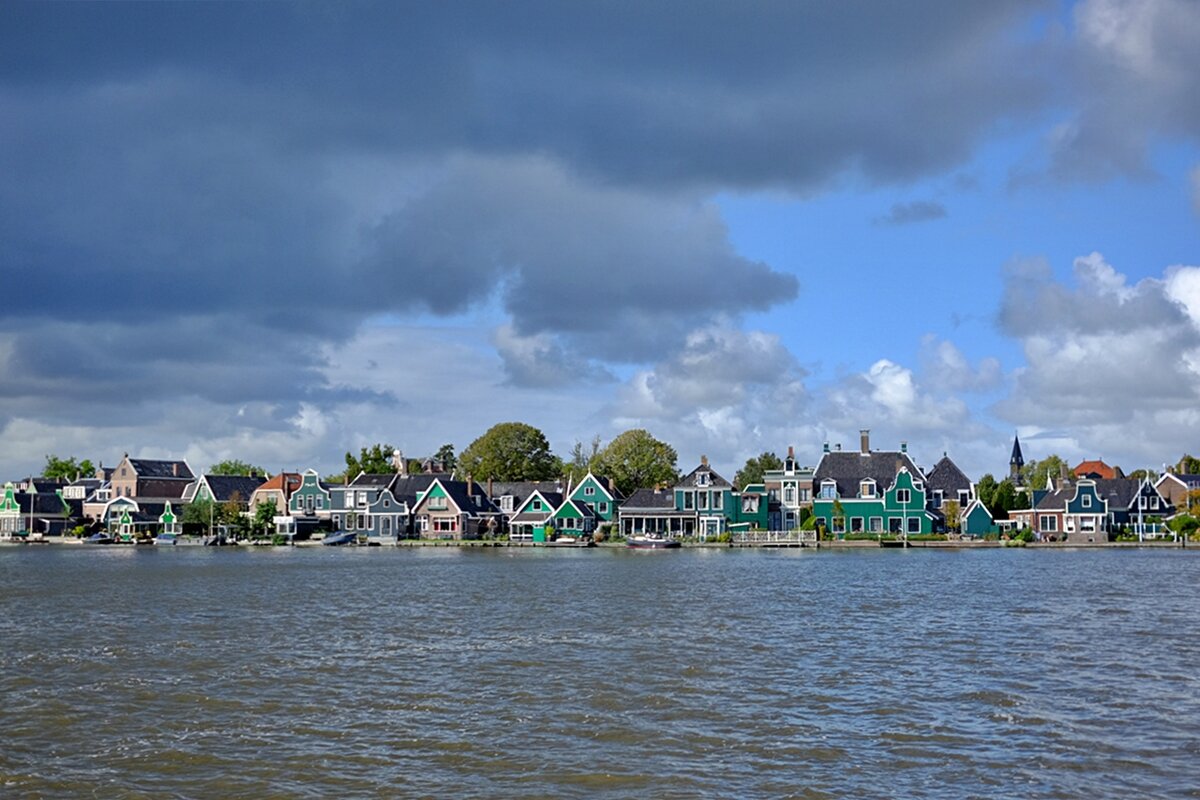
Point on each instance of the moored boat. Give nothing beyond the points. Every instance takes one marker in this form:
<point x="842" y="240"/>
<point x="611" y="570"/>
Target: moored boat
<point x="99" y="538"/>
<point x="651" y="541"/>
<point x="340" y="538"/>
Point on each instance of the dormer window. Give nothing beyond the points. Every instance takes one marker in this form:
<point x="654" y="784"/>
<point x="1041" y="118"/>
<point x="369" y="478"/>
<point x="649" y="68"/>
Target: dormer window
<point x="866" y="489"/>
<point x="702" y="479"/>
<point x="506" y="504"/>
<point x="829" y="490"/>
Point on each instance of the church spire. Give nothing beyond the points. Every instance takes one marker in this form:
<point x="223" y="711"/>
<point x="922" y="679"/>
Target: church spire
<point x="1017" y="460"/>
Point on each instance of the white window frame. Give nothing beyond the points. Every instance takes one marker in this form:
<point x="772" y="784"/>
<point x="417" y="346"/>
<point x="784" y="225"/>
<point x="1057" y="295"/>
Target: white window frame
<point x="903" y="496"/>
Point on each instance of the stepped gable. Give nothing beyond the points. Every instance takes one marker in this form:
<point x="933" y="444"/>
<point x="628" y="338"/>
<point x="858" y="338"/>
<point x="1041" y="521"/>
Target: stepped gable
<point x="849" y="469"/>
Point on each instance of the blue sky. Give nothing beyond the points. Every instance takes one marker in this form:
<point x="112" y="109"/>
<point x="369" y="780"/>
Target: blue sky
<point x="276" y="232"/>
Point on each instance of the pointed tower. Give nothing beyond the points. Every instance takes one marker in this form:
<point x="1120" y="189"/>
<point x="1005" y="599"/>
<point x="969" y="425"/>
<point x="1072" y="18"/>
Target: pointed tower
<point x="1016" y="461"/>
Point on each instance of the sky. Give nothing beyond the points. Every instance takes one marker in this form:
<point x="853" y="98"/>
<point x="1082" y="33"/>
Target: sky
<point x="277" y="232"/>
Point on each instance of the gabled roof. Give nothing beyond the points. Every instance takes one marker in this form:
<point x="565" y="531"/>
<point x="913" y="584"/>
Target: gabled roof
<point x="162" y="488"/>
<point x="552" y="499"/>
<point x="155" y="468"/>
<point x="520" y="490"/>
<point x="946" y="476"/>
<point x="714" y="480"/>
<point x="286" y="482"/>
<point x="605" y="482"/>
<point x="1095" y="469"/>
<point x="578" y="505"/>
<point x="1056" y="500"/>
<point x="1120" y="492"/>
<point x="405" y="489"/>
<point x="849" y="468"/>
<point x="1189" y="481"/>
<point x="46" y="503"/>
<point x="472" y="503"/>
<point x="225" y="487"/>
<point x="650" y="499"/>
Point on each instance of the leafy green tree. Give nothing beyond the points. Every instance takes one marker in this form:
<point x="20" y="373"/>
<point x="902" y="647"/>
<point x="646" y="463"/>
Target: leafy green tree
<point x="67" y="469"/>
<point x="1004" y="499"/>
<point x="200" y="512"/>
<point x="510" y="451"/>
<point x="1188" y="465"/>
<point x="413" y="465"/>
<point x="1035" y="473"/>
<point x="755" y="468"/>
<point x="985" y="490"/>
<point x="445" y="454"/>
<point x="635" y="459"/>
<point x="232" y="466"/>
<point x="953" y="514"/>
<point x="264" y="516"/>
<point x="373" y="460"/>
<point x="1142" y="474"/>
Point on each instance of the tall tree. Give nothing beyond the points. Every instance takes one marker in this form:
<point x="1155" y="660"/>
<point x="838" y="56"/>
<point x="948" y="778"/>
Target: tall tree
<point x="510" y="451"/>
<point x="985" y="490"/>
<point x="1035" y="473"/>
<point x="754" y="469"/>
<point x="232" y="466"/>
<point x="635" y="459"/>
<point x="582" y="459"/>
<point x="953" y="514"/>
<point x="1188" y="465"/>
<point x="445" y="454"/>
<point x="67" y="469"/>
<point x="373" y="460"/>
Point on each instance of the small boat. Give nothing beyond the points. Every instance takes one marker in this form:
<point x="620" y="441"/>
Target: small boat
<point x="651" y="541"/>
<point x="99" y="538"/>
<point x="166" y="538"/>
<point x="340" y="538"/>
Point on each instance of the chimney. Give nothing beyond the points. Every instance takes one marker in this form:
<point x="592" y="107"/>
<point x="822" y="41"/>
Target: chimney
<point x="904" y="448"/>
<point x="175" y="468"/>
<point x="826" y="448"/>
<point x="612" y="487"/>
<point x="470" y="485"/>
<point x="864" y="440"/>
<point x="489" y="486"/>
<point x="791" y="451"/>
<point x="704" y="461"/>
<point x="838" y="447"/>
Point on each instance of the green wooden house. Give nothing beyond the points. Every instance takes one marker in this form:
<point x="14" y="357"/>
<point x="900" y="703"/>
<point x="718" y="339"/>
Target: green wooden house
<point x="870" y="492"/>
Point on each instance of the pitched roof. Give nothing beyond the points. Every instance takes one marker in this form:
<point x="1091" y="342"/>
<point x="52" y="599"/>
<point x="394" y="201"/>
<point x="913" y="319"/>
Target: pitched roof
<point x="1016" y="457"/>
<point x="520" y="490"/>
<point x="162" y="488"/>
<point x="849" y="468"/>
<point x="155" y="468"/>
<point x="225" y="487"/>
<point x="1094" y="468"/>
<point x="376" y="479"/>
<point x="405" y="489"/>
<point x="474" y="502"/>
<point x="1119" y="492"/>
<point x="581" y="507"/>
<point x="714" y="480"/>
<point x="1056" y="500"/>
<point x="1190" y="481"/>
<point x="46" y="503"/>
<point x="650" y="499"/>
<point x="946" y="476"/>
<point x="286" y="482"/>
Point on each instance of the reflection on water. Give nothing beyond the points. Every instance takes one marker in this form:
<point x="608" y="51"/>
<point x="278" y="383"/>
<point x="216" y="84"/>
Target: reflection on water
<point x="484" y="673"/>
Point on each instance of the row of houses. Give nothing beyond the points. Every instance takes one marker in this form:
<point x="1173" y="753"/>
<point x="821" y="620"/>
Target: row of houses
<point x="847" y="493"/>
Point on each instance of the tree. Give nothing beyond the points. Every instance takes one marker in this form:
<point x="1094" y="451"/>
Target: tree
<point x="232" y="466"/>
<point x="510" y="451"/>
<point x="1143" y="474"/>
<point x="635" y="459"/>
<point x="755" y="468"/>
<point x="264" y="516"/>
<point x="445" y="455"/>
<point x="581" y="459"/>
<point x="985" y="490"/>
<point x="67" y="468"/>
<point x="374" y="460"/>
<point x="1188" y="465"/>
<point x="1035" y="473"/>
<point x="413" y="465"/>
<point x="953" y="514"/>
<point x="1004" y="500"/>
<point x="200" y="512"/>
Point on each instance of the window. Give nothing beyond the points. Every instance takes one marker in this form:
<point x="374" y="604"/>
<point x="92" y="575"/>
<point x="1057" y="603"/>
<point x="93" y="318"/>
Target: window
<point x="320" y="502"/>
<point x="702" y="479"/>
<point x="688" y="501"/>
<point x="876" y="524"/>
<point x="903" y="496"/>
<point x="363" y="521"/>
<point x="716" y="501"/>
<point x="602" y="508"/>
<point x="805" y="495"/>
<point x="1142" y="501"/>
<point x="914" y="524"/>
<point x="856" y="524"/>
<point x="445" y="524"/>
<point x="866" y="489"/>
<point x="964" y="497"/>
<point x="1086" y="501"/>
<point x="839" y="524"/>
<point x="437" y="503"/>
<point x="829" y="490"/>
<point x="589" y="491"/>
<point x="789" y="494"/>
<point x="750" y="504"/>
<point x="702" y="500"/>
<point x="362" y="498"/>
<point x="937" y="498"/>
<point x="506" y="503"/>
<point x="1154" y="502"/>
<point x="1048" y="523"/>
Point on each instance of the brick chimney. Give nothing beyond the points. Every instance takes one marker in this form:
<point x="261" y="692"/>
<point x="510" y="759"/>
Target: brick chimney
<point x="704" y="461"/>
<point x="489" y="486"/>
<point x="864" y="441"/>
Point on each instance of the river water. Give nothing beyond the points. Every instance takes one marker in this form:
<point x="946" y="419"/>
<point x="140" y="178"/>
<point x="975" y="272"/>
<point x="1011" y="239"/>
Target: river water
<point x="439" y="672"/>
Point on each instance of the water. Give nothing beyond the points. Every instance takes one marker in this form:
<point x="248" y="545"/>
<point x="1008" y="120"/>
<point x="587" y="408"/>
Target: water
<point x="531" y="673"/>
